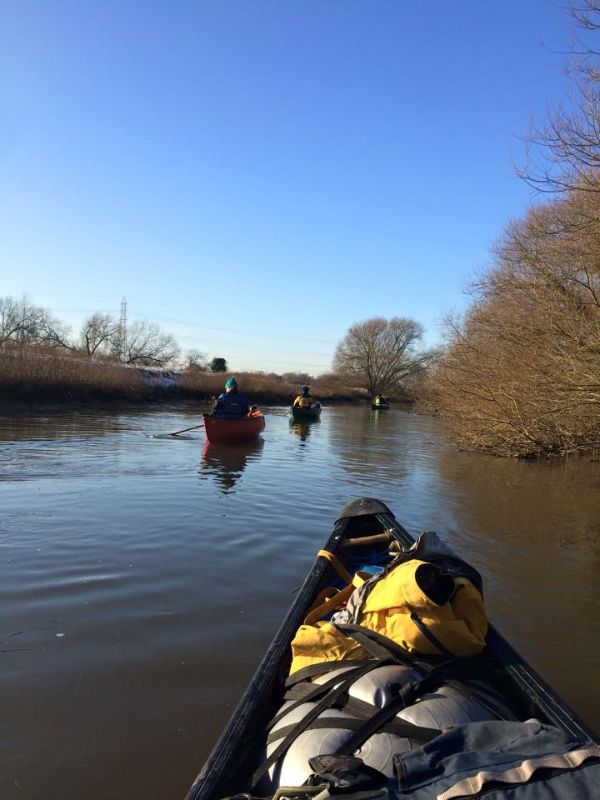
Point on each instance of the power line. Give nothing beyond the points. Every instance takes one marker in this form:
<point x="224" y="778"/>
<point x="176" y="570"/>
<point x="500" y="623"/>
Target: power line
<point x="220" y="343"/>
<point x="298" y="364"/>
<point x="173" y="321"/>
<point x="123" y="317"/>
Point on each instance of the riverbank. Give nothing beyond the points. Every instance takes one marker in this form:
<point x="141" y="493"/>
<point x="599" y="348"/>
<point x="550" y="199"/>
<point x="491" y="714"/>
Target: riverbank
<point x="37" y="378"/>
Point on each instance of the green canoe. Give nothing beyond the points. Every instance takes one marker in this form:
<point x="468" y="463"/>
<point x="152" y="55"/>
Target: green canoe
<point x="314" y="412"/>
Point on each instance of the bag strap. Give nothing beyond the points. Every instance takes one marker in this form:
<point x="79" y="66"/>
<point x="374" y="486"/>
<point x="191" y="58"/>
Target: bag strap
<point x="329" y="605"/>
<point x="342" y="595"/>
<point x="488" y="701"/>
<point x="336" y="564"/>
<point x="316" y="690"/>
<point x="377" y="644"/>
<point x="406" y="696"/>
<point x="322" y="668"/>
<point x="326" y="702"/>
<point x="430" y="636"/>
<point x="395" y="727"/>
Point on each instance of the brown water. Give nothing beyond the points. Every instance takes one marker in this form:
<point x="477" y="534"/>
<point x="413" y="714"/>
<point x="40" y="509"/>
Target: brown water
<point x="143" y="577"/>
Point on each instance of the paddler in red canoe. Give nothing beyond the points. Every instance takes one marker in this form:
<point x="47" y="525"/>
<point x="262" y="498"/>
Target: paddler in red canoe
<point x="230" y="403"/>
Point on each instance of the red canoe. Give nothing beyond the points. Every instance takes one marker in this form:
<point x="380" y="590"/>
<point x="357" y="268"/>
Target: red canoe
<point x="221" y="429"/>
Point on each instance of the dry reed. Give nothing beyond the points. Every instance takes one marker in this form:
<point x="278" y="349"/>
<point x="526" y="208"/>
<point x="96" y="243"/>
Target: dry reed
<point x="34" y="374"/>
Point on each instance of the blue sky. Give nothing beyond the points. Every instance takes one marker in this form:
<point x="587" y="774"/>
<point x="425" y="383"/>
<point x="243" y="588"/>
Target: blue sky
<point x="257" y="175"/>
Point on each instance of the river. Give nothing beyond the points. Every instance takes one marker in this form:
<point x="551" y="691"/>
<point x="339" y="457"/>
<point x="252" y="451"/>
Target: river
<point x="145" y="574"/>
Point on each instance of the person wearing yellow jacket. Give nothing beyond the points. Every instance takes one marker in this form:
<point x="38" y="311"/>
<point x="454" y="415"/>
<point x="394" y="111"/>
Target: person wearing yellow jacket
<point x="402" y="606"/>
<point x="303" y="400"/>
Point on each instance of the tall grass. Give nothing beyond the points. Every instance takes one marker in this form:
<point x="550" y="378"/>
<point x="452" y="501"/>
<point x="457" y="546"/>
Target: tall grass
<point x="264" y="388"/>
<point x="36" y="375"/>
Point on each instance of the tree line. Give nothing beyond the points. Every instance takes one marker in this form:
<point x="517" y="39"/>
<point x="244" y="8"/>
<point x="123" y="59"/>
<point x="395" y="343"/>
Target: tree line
<point x="520" y="373"/>
<point x="377" y="355"/>
<point x="101" y="336"/>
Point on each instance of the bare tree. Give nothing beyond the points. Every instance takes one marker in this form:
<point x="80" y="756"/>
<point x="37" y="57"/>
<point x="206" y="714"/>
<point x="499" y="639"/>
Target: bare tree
<point x="194" y="359"/>
<point x="379" y="354"/>
<point x="331" y="379"/>
<point x="147" y="346"/>
<point x="300" y="378"/>
<point x="521" y="373"/>
<point x="13" y="321"/>
<point x="99" y="334"/>
<point x="54" y="333"/>
<point x="564" y="153"/>
<point x="25" y="323"/>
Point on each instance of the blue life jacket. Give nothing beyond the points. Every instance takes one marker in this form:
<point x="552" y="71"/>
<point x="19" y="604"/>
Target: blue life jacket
<point x="231" y="405"/>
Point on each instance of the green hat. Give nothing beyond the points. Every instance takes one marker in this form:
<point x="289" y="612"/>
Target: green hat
<point x="229" y="384"/>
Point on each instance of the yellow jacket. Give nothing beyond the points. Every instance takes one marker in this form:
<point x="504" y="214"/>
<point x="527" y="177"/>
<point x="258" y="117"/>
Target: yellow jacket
<point x="460" y="625"/>
<point x="303" y="402"/>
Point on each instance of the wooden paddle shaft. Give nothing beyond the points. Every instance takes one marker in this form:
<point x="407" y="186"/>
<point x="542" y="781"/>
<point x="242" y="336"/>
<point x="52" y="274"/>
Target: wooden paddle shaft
<point x="362" y="541"/>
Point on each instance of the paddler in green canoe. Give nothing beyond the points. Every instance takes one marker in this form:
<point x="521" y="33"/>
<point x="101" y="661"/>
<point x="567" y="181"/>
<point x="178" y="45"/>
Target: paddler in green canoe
<point x="303" y="400"/>
<point x="380" y="400"/>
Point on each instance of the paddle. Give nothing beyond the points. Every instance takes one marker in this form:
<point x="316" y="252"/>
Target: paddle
<point x="176" y="433"/>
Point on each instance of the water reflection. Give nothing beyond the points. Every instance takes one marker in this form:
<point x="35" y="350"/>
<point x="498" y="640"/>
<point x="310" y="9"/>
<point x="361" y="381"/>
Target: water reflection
<point x="534" y="531"/>
<point x="369" y="445"/>
<point x="226" y="462"/>
<point x="302" y="429"/>
<point x="522" y="501"/>
<point x="377" y="415"/>
<point x="57" y="424"/>
<point x="42" y="444"/>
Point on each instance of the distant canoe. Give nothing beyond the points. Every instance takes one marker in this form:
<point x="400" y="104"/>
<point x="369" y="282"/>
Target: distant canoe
<point x="227" y="429"/>
<point x="380" y="407"/>
<point x="305" y="414"/>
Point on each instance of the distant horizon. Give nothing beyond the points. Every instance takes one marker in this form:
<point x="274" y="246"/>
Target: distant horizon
<point x="186" y="341"/>
<point x="257" y="177"/>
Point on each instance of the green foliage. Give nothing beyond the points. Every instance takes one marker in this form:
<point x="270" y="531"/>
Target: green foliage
<point x="218" y="365"/>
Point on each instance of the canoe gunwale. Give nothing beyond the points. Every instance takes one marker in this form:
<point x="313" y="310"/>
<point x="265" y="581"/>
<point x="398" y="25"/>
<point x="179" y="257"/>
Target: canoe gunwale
<point x="236" y="732"/>
<point x="238" y="738"/>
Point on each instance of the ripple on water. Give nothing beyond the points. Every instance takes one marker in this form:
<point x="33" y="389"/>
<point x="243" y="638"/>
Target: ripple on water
<point x="167" y="566"/>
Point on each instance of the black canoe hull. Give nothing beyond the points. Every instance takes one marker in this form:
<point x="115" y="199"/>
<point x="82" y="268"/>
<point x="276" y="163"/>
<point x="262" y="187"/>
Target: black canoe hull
<point x="234" y="756"/>
<point x="375" y="407"/>
<point x="305" y="414"/>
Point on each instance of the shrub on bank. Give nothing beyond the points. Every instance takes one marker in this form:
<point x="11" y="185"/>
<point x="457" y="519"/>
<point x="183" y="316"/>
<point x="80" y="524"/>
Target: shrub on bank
<point x="521" y="371"/>
<point x="520" y="374"/>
